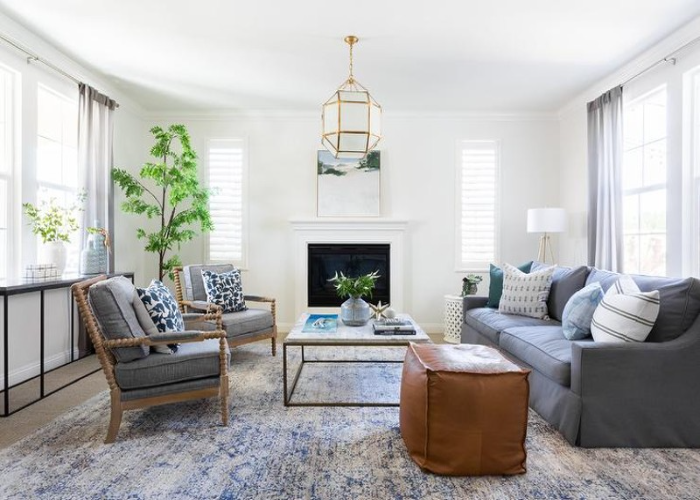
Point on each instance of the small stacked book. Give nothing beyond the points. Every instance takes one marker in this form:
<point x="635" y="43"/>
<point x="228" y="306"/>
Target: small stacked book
<point x="394" y="326"/>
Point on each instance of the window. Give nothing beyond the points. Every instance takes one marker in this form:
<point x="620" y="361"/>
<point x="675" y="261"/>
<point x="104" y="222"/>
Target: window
<point x="57" y="156"/>
<point x="227" y="165"/>
<point x="7" y="129"/>
<point x="693" y="190"/>
<point x="644" y="182"/>
<point x="477" y="204"/>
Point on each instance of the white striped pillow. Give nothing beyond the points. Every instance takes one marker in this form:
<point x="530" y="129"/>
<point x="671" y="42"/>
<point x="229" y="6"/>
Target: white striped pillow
<point x="625" y="314"/>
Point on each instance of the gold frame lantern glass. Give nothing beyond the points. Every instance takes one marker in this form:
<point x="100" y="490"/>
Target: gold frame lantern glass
<point x="351" y="118"/>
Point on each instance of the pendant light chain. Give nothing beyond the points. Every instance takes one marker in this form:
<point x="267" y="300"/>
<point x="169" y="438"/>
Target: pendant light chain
<point x="352" y="77"/>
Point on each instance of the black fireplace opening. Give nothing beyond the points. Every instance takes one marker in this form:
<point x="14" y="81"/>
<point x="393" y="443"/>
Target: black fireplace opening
<point x="351" y="260"/>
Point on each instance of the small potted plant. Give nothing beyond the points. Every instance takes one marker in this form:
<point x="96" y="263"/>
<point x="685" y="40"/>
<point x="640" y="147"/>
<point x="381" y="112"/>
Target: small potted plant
<point x="354" y="311"/>
<point x="470" y="284"/>
<point x="54" y="224"/>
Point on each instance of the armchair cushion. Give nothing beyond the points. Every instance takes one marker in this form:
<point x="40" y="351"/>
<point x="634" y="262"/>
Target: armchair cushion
<point x="248" y="321"/>
<point x="225" y="290"/>
<point x="192" y="361"/>
<point x="251" y="320"/>
<point x="194" y="283"/>
<point x="112" y="302"/>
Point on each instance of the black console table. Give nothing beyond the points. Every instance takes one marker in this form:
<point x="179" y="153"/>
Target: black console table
<point x="24" y="286"/>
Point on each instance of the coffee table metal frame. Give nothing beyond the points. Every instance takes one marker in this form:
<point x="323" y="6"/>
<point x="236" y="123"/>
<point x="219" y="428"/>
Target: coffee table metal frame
<point x="302" y="343"/>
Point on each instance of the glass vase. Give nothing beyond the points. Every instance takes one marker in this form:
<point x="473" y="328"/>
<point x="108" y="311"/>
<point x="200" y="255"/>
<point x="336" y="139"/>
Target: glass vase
<point x="355" y="312"/>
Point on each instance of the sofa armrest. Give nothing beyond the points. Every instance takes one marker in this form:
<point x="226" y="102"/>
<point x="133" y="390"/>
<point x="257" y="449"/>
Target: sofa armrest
<point x="638" y="394"/>
<point x="601" y="367"/>
<point x="472" y="302"/>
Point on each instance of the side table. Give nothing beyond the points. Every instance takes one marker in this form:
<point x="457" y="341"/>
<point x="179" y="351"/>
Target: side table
<point x="453" y="319"/>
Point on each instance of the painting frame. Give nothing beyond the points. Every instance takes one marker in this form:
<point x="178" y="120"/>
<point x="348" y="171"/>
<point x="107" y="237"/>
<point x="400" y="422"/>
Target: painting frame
<point x="348" y="187"/>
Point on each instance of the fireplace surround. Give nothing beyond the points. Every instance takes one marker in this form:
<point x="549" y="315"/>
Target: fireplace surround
<point x="390" y="232"/>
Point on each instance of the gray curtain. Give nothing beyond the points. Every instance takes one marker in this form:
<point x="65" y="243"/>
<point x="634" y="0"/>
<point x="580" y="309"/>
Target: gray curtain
<point x="605" y="248"/>
<point x="95" y="131"/>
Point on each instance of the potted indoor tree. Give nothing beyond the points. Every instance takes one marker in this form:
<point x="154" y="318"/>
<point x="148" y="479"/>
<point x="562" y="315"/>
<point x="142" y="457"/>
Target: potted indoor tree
<point x="54" y="224"/>
<point x="169" y="191"/>
<point x="354" y="311"/>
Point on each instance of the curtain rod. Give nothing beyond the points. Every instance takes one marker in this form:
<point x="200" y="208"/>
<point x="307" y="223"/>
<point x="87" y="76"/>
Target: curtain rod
<point x="668" y="59"/>
<point x="33" y="57"/>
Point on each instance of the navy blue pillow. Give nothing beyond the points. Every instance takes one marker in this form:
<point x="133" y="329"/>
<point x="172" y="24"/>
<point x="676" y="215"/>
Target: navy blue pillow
<point x="225" y="290"/>
<point x="162" y="307"/>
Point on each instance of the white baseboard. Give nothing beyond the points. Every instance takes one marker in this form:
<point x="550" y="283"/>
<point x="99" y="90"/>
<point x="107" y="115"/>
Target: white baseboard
<point x="33" y="369"/>
<point x="433" y="328"/>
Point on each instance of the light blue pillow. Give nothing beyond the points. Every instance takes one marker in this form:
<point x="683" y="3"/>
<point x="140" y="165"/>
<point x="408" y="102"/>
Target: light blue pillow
<point x="578" y="312"/>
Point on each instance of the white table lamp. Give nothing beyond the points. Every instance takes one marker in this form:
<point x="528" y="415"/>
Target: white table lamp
<point x="546" y="220"/>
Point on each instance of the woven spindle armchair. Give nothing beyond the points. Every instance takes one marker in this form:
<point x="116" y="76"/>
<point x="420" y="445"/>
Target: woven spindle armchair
<point x="251" y="325"/>
<point x="138" y="378"/>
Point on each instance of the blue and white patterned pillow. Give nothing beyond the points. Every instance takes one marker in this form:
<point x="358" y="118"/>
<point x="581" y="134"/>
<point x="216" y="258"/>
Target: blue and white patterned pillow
<point x="578" y="312"/>
<point x="225" y="290"/>
<point x="162" y="307"/>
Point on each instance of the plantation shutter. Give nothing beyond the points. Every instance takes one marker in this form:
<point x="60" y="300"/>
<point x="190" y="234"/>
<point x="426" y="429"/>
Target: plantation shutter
<point x="226" y="204"/>
<point x="477" y="213"/>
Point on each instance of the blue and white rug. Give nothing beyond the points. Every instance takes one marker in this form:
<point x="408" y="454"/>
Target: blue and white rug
<point x="272" y="452"/>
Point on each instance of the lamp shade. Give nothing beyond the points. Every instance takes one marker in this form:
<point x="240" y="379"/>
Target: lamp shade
<point x="546" y="220"/>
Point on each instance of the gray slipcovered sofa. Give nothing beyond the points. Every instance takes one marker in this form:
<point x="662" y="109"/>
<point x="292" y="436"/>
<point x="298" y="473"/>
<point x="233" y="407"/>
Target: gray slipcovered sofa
<point x="602" y="394"/>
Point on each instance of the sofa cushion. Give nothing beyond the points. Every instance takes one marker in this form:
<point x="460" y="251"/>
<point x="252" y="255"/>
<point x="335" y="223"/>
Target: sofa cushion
<point x="578" y="312"/>
<point x="193" y="360"/>
<point x="526" y="294"/>
<point x="544" y="348"/>
<point x="566" y="281"/>
<point x="490" y="322"/>
<point x="112" y="302"/>
<point x="679" y="301"/>
<point x="625" y="314"/>
<point x="496" y="283"/>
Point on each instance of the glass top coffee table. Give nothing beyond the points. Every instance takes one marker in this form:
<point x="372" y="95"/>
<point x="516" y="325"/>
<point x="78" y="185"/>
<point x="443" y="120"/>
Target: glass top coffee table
<point x="344" y="336"/>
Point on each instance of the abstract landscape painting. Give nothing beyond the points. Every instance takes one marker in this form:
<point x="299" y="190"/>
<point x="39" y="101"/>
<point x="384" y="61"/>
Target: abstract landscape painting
<point x="348" y="187"/>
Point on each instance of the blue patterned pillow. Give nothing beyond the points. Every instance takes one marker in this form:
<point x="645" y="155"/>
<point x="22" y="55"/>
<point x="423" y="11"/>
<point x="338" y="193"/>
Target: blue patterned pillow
<point x="578" y="312"/>
<point x="162" y="307"/>
<point x="225" y="290"/>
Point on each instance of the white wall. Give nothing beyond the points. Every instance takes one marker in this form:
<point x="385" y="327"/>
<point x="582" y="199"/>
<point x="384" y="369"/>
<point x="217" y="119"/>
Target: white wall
<point x="130" y="152"/>
<point x="418" y="176"/>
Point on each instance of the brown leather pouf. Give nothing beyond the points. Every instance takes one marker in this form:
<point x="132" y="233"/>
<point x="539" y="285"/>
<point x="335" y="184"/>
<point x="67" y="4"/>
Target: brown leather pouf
<point x="464" y="410"/>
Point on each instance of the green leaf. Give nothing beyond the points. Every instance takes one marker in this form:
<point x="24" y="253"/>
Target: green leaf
<point x="168" y="190"/>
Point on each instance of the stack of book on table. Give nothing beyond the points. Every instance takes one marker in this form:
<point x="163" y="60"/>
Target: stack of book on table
<point x="394" y="326"/>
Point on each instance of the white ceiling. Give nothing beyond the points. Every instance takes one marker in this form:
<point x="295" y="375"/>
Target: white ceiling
<point x="439" y="55"/>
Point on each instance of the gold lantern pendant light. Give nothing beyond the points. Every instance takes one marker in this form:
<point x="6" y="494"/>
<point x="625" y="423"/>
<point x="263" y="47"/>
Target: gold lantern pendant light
<point x="351" y="118"/>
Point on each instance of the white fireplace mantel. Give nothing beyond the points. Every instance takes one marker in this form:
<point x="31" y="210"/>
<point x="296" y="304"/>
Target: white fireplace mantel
<point x="386" y="231"/>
